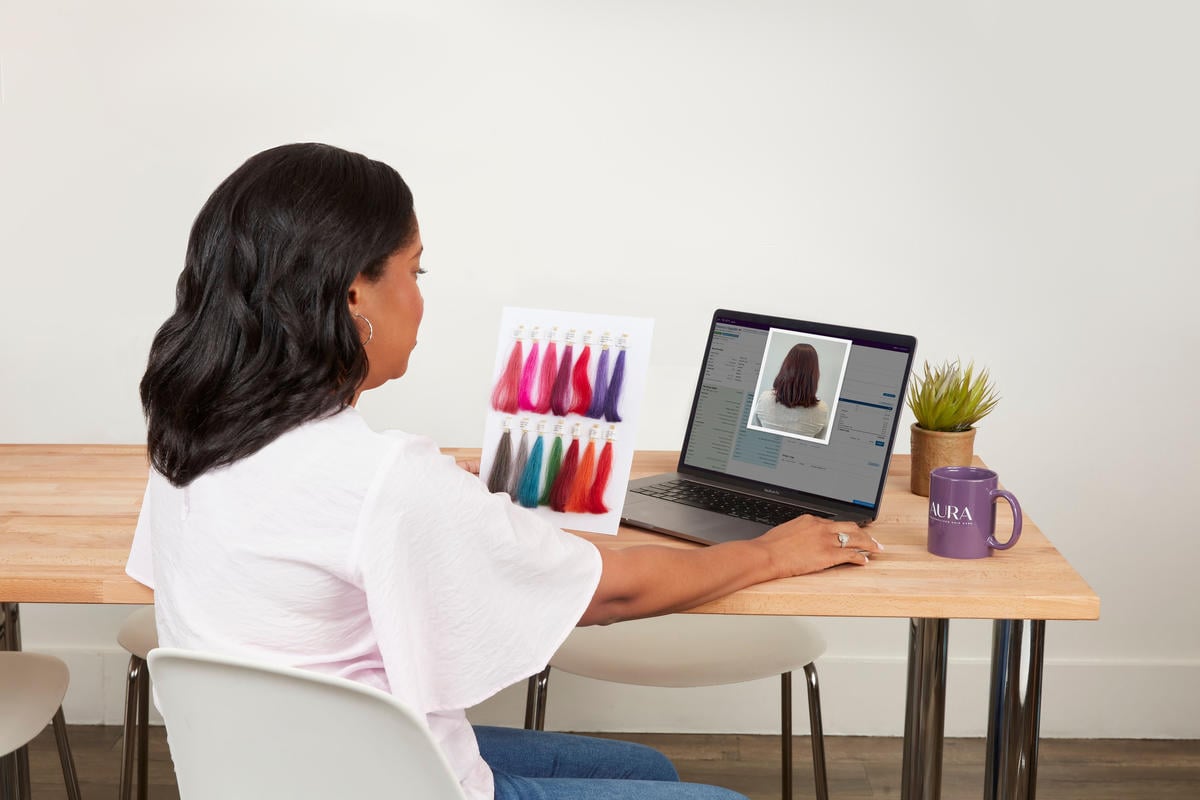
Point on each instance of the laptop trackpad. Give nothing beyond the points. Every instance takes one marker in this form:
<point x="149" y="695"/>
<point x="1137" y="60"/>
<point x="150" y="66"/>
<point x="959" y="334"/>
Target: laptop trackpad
<point x="686" y="522"/>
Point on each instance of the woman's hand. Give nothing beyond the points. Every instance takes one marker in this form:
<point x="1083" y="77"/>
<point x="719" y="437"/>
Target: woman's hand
<point x="471" y="465"/>
<point x="810" y="544"/>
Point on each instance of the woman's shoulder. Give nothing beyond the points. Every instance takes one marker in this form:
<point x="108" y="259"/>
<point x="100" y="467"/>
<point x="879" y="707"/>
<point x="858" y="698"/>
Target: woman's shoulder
<point x="339" y="449"/>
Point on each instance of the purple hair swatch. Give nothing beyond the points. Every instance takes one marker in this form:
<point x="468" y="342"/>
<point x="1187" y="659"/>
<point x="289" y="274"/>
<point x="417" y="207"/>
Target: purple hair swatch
<point x="614" y="389"/>
<point x="600" y="389"/>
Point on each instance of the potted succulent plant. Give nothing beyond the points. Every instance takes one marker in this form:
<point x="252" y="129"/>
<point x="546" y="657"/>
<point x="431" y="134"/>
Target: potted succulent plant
<point x="947" y="401"/>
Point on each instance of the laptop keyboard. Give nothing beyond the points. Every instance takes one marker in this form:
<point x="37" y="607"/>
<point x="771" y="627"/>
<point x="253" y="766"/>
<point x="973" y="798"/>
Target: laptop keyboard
<point x="723" y="501"/>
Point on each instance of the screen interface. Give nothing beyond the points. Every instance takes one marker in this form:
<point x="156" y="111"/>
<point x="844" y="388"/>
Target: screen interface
<point x="797" y="410"/>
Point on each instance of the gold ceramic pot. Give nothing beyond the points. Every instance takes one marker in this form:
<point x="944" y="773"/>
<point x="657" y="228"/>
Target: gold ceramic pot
<point x="933" y="449"/>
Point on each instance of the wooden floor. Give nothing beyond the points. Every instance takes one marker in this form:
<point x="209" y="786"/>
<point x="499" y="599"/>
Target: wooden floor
<point x="859" y="768"/>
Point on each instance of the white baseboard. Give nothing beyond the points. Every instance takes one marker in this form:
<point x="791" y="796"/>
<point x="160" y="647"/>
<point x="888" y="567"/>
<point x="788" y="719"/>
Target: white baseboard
<point x="865" y="697"/>
<point x="862" y="697"/>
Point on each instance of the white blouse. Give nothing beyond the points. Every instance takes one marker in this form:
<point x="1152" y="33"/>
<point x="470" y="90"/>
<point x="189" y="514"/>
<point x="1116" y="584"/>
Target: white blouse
<point x="371" y="557"/>
<point x="770" y="413"/>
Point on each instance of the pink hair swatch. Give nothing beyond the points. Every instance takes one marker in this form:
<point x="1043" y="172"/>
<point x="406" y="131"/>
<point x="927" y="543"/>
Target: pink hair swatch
<point x="546" y="378"/>
<point x="561" y="491"/>
<point x="578" y="500"/>
<point x="504" y="395"/>
<point x="595" y="502"/>
<point x="529" y="377"/>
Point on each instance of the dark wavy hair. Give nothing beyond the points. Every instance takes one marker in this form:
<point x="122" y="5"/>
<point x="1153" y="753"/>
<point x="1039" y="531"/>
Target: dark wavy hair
<point x="262" y="338"/>
<point x="796" y="383"/>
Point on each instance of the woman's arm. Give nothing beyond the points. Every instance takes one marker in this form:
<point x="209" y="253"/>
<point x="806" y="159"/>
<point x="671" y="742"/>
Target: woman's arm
<point x="653" y="579"/>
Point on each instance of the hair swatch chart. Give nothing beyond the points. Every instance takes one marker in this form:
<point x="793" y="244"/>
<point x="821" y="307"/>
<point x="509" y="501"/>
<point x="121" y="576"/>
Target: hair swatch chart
<point x="562" y="414"/>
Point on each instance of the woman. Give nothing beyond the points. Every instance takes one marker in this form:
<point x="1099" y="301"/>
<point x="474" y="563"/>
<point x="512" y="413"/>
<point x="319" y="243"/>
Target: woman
<point x="791" y="403"/>
<point x="278" y="526"/>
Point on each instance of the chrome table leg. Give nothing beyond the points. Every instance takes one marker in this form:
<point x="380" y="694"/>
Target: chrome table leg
<point x="1014" y="721"/>
<point x="925" y="710"/>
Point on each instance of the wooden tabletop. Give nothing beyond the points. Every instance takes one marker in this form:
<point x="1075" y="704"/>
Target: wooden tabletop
<point x="67" y="514"/>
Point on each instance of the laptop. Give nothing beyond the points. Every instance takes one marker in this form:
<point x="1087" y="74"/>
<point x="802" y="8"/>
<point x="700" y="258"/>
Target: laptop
<point x="768" y="440"/>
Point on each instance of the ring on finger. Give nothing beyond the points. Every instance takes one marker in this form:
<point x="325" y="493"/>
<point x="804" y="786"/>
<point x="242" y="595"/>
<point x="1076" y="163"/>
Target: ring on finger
<point x="843" y="538"/>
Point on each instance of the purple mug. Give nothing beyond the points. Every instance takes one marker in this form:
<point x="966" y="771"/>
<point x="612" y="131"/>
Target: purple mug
<point x="962" y="514"/>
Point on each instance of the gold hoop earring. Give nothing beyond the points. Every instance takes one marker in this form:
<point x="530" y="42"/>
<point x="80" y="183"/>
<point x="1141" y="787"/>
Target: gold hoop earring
<point x="370" y="328"/>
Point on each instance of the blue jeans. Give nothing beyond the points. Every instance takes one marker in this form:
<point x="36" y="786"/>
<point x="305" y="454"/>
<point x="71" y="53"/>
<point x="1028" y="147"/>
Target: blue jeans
<point x="535" y="765"/>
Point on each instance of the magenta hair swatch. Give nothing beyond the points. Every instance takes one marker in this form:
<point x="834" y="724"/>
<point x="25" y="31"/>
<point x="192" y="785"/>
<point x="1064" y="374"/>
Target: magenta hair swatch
<point x="546" y="378"/>
<point x="501" y="463"/>
<point x="504" y="395"/>
<point x="577" y="501"/>
<point x="560" y="493"/>
<point x="600" y="387"/>
<point x="613" y="394"/>
<point x="514" y="478"/>
<point x="553" y="464"/>
<point x="527" y="490"/>
<point x="560" y="392"/>
<point x="595" y="503"/>
<point x="528" y="377"/>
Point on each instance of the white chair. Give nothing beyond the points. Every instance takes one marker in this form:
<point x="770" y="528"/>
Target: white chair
<point x="241" y="730"/>
<point x="698" y="650"/>
<point x="32" y="687"/>
<point x="138" y="635"/>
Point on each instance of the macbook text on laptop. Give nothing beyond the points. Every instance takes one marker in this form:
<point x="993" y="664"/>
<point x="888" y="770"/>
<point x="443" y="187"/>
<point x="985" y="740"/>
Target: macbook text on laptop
<point x="770" y="437"/>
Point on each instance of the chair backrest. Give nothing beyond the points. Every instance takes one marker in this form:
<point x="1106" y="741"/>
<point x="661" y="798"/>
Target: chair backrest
<point x="32" y="687"/>
<point x="690" y="649"/>
<point x="239" y="729"/>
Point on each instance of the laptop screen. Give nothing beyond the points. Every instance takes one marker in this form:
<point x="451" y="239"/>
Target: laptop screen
<point x="799" y="406"/>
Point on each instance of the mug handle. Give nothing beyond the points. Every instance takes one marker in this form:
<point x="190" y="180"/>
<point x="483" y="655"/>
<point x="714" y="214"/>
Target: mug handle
<point x="1017" y="516"/>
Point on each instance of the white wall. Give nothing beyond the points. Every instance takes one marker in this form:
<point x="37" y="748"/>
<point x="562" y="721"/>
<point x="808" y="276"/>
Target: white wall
<point x="1017" y="183"/>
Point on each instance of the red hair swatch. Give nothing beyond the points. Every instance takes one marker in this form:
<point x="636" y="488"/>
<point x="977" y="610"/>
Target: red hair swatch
<point x="578" y="499"/>
<point x="595" y="503"/>
<point x="579" y="379"/>
<point x="504" y="395"/>
<point x="561" y="491"/>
